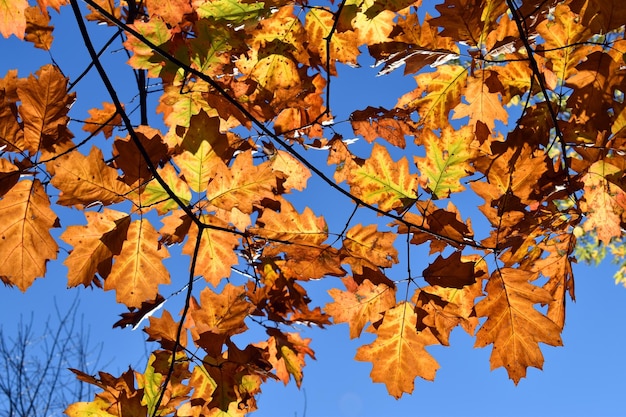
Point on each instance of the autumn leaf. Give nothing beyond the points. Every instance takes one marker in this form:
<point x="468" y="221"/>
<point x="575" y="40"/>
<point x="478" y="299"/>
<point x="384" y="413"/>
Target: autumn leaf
<point x="243" y="185"/>
<point x="287" y="352"/>
<point x="38" y="31"/>
<point x="215" y="253"/>
<point x="94" y="244"/>
<point x="398" y="354"/>
<point x="45" y="103"/>
<point x="156" y="31"/>
<point x="343" y="45"/>
<point x="382" y="181"/>
<point x="155" y="195"/>
<point x="290" y="226"/>
<point x="138" y="269"/>
<point x="374" y="247"/>
<point x="436" y="94"/>
<point x="12" y="18"/>
<point x="601" y="204"/>
<point x="447" y="161"/>
<point x="483" y="102"/>
<point x="221" y="314"/>
<point x="97" y="407"/>
<point x="514" y="326"/>
<point x="85" y="180"/>
<point x="105" y="120"/>
<point x="26" y="244"/>
<point x="357" y="308"/>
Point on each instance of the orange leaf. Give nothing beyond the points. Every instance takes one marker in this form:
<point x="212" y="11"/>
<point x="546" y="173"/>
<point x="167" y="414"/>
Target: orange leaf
<point x="375" y="247"/>
<point x="483" y="104"/>
<point x="138" y="269"/>
<point x="287" y="354"/>
<point x="38" y="30"/>
<point x="398" y="354"/>
<point x="93" y="244"/>
<point x="216" y="255"/>
<point x="295" y="173"/>
<point x="289" y="225"/>
<point x="45" y="103"/>
<point x="25" y="241"/>
<point x="85" y="180"/>
<point x="436" y="93"/>
<point x="357" y="308"/>
<point x="514" y="326"/>
<point x="243" y="185"/>
<point x="12" y="19"/>
<point x="382" y="181"/>
<point x="105" y="119"/>
<point x="221" y="314"/>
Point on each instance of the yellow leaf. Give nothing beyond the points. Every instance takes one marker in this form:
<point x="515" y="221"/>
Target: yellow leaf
<point x="436" y="94"/>
<point x="398" y="354"/>
<point x="289" y="225"/>
<point x="447" y="160"/>
<point x="343" y="45"/>
<point x="153" y="194"/>
<point x="95" y="408"/>
<point x="243" y="185"/>
<point x="25" y="241"/>
<point x="382" y="181"/>
<point x="138" y="269"/>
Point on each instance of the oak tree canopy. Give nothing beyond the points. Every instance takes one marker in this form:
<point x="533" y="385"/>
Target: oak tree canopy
<point x="516" y="104"/>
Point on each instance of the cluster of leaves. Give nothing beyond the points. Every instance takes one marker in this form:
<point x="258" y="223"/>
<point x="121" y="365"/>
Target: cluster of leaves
<point x="228" y="67"/>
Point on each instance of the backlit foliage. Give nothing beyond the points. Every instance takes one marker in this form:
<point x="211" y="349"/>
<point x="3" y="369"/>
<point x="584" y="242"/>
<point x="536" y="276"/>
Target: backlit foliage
<point x="516" y="104"/>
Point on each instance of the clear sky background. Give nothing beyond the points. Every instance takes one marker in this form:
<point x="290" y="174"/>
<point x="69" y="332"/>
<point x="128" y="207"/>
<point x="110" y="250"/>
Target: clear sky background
<point x="585" y="377"/>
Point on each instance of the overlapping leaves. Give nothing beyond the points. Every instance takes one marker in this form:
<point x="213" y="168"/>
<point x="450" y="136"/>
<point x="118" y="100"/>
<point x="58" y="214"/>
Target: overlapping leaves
<point x="546" y="168"/>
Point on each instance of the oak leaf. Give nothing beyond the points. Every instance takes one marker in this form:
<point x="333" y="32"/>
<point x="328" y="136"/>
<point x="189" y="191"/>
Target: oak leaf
<point x="287" y="352"/>
<point x="26" y="244"/>
<point x="85" y="180"/>
<point x="221" y="314"/>
<point x="601" y="204"/>
<point x="94" y="244"/>
<point x="514" y="326"/>
<point x="155" y="195"/>
<point x="156" y="31"/>
<point x="38" y="30"/>
<point x="447" y="160"/>
<point x="450" y="272"/>
<point x="138" y="269"/>
<point x="215" y="253"/>
<point x="12" y="18"/>
<point x="104" y="120"/>
<point x="45" y="104"/>
<point x="358" y="307"/>
<point x="382" y="181"/>
<point x="243" y="185"/>
<point x="483" y="102"/>
<point x="398" y="354"/>
<point x="371" y="246"/>
<point x="290" y="226"/>
<point x="437" y="93"/>
<point x="343" y="45"/>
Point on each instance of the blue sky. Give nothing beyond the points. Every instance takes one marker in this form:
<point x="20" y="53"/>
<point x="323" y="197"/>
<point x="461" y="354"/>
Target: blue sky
<point x="585" y="377"/>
